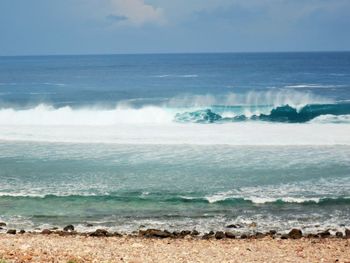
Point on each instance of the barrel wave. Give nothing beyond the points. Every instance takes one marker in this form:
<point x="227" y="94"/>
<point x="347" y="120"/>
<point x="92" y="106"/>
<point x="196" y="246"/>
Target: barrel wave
<point x="283" y="113"/>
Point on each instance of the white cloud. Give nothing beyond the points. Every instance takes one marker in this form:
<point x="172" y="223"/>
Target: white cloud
<point x="137" y="12"/>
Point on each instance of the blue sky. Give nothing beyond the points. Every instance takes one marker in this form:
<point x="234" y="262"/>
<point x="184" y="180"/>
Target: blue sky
<point x="29" y="27"/>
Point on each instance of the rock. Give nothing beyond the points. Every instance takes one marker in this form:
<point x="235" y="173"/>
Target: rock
<point x="11" y="231"/>
<point x="116" y="234"/>
<point x="347" y="233"/>
<point x="184" y="233"/>
<point x="176" y="234"/>
<point x="46" y="232"/>
<point x="339" y="234"/>
<point x="232" y="226"/>
<point x="54" y="228"/>
<point x="272" y="232"/>
<point x="89" y="225"/>
<point x="69" y="228"/>
<point x="259" y="235"/>
<point x="324" y="234"/>
<point x="3" y="224"/>
<point x="219" y="235"/>
<point x="230" y="235"/>
<point x="22" y="231"/>
<point x="244" y="236"/>
<point x="208" y="235"/>
<point x="284" y="236"/>
<point x="312" y="236"/>
<point x="194" y="233"/>
<point x="99" y="233"/>
<point x="295" y="233"/>
<point x="155" y="233"/>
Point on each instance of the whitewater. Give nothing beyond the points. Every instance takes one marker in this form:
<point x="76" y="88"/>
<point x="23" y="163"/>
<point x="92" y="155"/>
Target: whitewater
<point x="164" y="125"/>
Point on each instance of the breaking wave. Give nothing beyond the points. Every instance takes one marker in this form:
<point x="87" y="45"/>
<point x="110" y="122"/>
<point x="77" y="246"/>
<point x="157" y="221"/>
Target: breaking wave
<point x="178" y="121"/>
<point x="284" y="113"/>
<point x="180" y="199"/>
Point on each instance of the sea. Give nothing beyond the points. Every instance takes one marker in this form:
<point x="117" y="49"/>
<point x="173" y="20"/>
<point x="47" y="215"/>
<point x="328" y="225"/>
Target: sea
<point x="258" y="141"/>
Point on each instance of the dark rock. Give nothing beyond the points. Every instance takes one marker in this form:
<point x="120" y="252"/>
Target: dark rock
<point x="54" y="228"/>
<point x="99" y="233"/>
<point x="339" y="234"/>
<point x="194" y="233"/>
<point x="259" y="235"/>
<point x="312" y="236"/>
<point x="2" y="224"/>
<point x="232" y="226"/>
<point x="284" y="236"/>
<point x="11" y="231"/>
<point x="89" y="225"/>
<point x="46" y="232"/>
<point x="207" y="236"/>
<point x="1" y="228"/>
<point x="155" y="233"/>
<point x="272" y="232"/>
<point x="324" y="234"/>
<point x="69" y="228"/>
<point x="295" y="233"/>
<point x="116" y="234"/>
<point x="22" y="231"/>
<point x="230" y="235"/>
<point x="176" y="234"/>
<point x="184" y="233"/>
<point x="244" y="236"/>
<point x="347" y="233"/>
<point x="219" y="235"/>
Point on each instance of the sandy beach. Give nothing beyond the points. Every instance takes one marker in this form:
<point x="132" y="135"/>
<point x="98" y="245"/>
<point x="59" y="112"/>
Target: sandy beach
<point x="55" y="248"/>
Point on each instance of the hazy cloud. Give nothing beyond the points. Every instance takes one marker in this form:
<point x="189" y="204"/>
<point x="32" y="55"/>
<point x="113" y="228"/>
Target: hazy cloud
<point x="132" y="26"/>
<point x="137" y="12"/>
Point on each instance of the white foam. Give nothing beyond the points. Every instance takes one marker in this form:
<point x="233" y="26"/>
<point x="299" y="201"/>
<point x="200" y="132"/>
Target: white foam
<point x="176" y="76"/>
<point x="312" y="86"/>
<point x="329" y="118"/>
<point x="252" y="99"/>
<point x="44" y="115"/>
<point x="201" y="134"/>
<point x="155" y="125"/>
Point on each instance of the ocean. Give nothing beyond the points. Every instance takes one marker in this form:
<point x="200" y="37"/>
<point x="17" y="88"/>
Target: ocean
<point x="176" y="141"/>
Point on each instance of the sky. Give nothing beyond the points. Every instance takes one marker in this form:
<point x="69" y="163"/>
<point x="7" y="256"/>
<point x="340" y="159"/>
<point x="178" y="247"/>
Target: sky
<point x="43" y="27"/>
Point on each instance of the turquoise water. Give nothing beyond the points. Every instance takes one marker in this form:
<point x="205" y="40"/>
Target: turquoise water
<point x="175" y="186"/>
<point x="176" y="141"/>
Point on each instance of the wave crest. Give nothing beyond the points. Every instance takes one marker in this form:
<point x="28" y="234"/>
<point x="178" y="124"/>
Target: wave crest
<point x="284" y="113"/>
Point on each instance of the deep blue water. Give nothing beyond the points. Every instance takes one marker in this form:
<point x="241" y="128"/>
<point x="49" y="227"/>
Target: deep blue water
<point x="81" y="80"/>
<point x="176" y="141"/>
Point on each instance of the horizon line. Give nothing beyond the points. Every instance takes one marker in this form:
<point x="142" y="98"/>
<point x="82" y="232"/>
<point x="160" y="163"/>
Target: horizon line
<point x="175" y="53"/>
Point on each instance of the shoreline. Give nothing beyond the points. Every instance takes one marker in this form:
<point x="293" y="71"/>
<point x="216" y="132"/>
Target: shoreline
<point x="30" y="247"/>
<point x="232" y="231"/>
